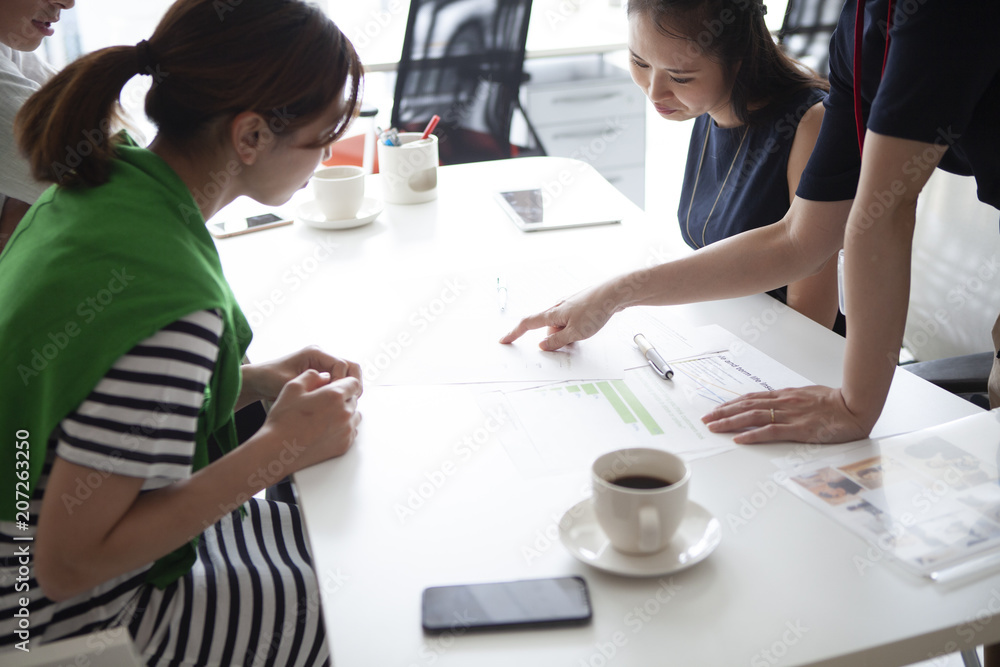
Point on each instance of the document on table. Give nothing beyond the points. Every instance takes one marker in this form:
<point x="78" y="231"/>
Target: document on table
<point x="929" y="500"/>
<point x="565" y="425"/>
<point x="450" y="327"/>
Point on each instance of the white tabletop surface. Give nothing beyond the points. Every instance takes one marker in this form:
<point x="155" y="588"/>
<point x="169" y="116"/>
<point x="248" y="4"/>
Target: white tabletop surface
<point x="429" y="496"/>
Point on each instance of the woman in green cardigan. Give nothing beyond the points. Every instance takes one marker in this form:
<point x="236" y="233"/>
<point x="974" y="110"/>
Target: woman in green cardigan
<point x="123" y="343"/>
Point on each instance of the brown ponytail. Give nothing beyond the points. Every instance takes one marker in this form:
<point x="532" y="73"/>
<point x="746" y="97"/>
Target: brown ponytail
<point x="209" y="59"/>
<point x="65" y="128"/>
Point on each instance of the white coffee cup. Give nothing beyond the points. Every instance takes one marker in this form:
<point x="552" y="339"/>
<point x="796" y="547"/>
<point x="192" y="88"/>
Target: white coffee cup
<point x="339" y="191"/>
<point x="636" y="519"/>
<point x="409" y="169"/>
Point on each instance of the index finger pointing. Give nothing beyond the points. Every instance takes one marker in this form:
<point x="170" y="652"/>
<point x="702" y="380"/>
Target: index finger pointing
<point x="524" y="326"/>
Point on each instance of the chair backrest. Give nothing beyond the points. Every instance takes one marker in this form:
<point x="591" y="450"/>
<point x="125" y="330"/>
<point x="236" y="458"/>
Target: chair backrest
<point x="462" y="60"/>
<point x="955" y="271"/>
<point x="806" y="30"/>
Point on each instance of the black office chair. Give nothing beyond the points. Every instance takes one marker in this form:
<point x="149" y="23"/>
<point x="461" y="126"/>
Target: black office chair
<point x="806" y="30"/>
<point x="463" y="60"/>
<point x="966" y="375"/>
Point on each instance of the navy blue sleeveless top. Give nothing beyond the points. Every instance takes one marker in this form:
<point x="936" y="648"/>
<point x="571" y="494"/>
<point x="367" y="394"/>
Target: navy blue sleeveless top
<point x="756" y="192"/>
<point x="748" y="189"/>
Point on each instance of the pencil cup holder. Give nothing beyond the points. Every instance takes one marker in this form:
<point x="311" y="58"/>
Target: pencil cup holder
<point x="409" y="170"/>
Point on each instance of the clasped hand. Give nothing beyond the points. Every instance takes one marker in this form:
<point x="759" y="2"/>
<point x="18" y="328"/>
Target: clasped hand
<point x="264" y="381"/>
<point x="315" y="404"/>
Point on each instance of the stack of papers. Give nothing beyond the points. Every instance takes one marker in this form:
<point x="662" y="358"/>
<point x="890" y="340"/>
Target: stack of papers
<point x="565" y="425"/>
<point x="929" y="500"/>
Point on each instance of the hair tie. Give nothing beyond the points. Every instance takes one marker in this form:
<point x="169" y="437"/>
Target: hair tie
<point x="143" y="60"/>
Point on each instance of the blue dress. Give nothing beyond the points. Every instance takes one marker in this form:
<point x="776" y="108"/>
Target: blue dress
<point x="742" y="182"/>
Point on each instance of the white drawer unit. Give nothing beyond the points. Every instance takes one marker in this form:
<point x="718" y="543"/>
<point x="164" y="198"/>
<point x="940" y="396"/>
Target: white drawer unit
<point x="607" y="144"/>
<point x="585" y="100"/>
<point x="587" y="108"/>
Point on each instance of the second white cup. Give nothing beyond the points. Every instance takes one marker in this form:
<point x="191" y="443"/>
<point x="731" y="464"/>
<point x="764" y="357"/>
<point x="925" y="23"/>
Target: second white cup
<point x="640" y="497"/>
<point x="340" y="191"/>
<point x="409" y="171"/>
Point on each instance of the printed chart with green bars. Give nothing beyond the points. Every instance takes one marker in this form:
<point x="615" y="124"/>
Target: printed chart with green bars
<point x="564" y="426"/>
<point x="619" y="396"/>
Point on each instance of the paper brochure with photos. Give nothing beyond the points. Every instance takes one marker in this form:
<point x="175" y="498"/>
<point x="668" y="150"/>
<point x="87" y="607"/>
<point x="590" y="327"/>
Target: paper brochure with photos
<point x="929" y="500"/>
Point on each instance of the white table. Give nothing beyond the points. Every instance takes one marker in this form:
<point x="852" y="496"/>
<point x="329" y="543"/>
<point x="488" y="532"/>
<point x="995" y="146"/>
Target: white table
<point x="428" y="495"/>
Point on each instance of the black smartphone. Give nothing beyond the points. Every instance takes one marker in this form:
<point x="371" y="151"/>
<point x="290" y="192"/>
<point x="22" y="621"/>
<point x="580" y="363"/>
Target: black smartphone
<point x="506" y="604"/>
<point x="254" y="223"/>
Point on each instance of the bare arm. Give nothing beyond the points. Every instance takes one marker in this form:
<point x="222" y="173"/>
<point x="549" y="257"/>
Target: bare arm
<point x="877" y="264"/>
<point x="748" y="263"/>
<point x="877" y="267"/>
<point x="816" y="296"/>
<point x="116" y="530"/>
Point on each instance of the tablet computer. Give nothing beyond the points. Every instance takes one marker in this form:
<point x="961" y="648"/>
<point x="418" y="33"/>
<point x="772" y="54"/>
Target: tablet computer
<point x="533" y="210"/>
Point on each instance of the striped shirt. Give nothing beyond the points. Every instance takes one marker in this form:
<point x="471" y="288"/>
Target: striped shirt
<point x="251" y="598"/>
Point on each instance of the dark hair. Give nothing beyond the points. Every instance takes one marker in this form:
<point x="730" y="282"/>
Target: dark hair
<point x="284" y="59"/>
<point x="733" y="33"/>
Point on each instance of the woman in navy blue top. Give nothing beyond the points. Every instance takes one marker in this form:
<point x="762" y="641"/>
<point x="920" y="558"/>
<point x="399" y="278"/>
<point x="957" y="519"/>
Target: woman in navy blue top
<point x="740" y="178"/>
<point x="925" y="93"/>
<point x="756" y="116"/>
<point x="755" y="161"/>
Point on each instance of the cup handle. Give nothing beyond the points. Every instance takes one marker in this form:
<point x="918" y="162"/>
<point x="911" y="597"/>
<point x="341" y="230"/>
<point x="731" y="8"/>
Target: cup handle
<point x="649" y="529"/>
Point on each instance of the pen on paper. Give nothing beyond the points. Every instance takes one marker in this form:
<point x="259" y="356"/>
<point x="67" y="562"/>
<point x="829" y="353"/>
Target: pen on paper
<point x="501" y="293"/>
<point x="653" y="357"/>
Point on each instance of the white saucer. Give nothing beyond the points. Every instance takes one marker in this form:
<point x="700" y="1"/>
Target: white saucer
<point x="697" y="536"/>
<point x="309" y="213"/>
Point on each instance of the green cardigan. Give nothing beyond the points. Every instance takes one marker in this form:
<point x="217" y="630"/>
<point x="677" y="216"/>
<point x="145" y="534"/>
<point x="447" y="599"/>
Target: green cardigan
<point x="89" y="273"/>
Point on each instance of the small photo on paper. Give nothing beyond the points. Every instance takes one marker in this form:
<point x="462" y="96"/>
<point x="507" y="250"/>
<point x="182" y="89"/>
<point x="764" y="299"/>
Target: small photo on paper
<point x="863" y="506"/>
<point x="984" y="499"/>
<point x="869" y="472"/>
<point x="948" y="537"/>
<point x="938" y="459"/>
<point x="870" y="518"/>
<point x="829" y="485"/>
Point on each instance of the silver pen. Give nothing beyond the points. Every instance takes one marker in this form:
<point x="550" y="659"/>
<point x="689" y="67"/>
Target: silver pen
<point x="653" y="357"/>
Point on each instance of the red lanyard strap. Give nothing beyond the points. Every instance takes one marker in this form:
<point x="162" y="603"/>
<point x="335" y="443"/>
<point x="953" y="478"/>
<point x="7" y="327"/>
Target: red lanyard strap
<point x="859" y="29"/>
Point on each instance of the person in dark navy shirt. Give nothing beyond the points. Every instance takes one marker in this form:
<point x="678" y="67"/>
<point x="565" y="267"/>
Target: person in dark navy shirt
<point x="940" y="87"/>
<point x="936" y="102"/>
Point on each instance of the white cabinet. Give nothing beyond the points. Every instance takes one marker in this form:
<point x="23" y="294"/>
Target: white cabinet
<point x="587" y="108"/>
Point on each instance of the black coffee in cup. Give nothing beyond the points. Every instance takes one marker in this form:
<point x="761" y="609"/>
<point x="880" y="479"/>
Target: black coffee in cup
<point x="641" y="482"/>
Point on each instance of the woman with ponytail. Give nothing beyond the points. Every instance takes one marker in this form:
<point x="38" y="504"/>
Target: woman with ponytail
<point x="121" y="363"/>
